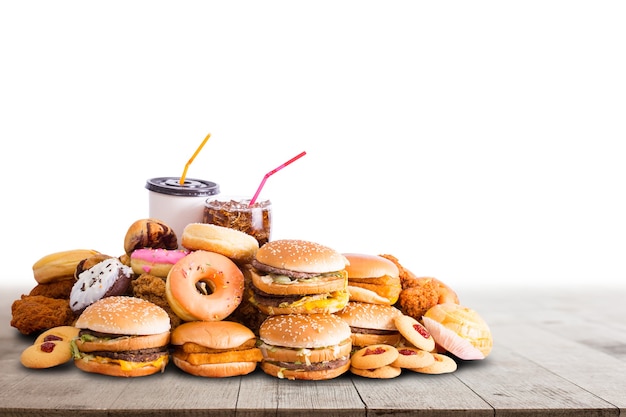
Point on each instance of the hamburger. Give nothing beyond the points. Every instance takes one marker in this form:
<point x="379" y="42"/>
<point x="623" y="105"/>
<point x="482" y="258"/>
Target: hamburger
<point x="371" y="324"/>
<point x="372" y="279"/>
<point x="122" y="336"/>
<point x="298" y="277"/>
<point x="305" y="346"/>
<point x="215" y="349"/>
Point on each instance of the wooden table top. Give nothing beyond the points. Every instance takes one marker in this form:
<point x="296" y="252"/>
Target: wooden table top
<point x="555" y="352"/>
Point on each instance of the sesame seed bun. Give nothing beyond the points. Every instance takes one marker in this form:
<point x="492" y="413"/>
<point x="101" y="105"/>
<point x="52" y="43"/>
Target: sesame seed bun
<point x="300" y="256"/>
<point x="124" y="316"/>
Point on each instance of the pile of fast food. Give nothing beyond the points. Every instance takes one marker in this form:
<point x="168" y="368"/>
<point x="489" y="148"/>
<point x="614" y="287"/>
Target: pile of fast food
<point x="215" y="303"/>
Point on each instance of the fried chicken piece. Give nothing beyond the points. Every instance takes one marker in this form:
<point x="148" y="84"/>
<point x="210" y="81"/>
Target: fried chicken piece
<point x="34" y="313"/>
<point x="420" y="293"/>
<point x="152" y="288"/>
<point x="57" y="289"/>
<point x="416" y="300"/>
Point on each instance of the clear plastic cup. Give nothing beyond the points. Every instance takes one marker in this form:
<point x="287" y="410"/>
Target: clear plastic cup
<point x="233" y="212"/>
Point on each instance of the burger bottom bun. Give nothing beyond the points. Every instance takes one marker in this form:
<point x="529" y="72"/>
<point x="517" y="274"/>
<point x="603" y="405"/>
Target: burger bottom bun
<point x="215" y="370"/>
<point x="365" y="339"/>
<point x="113" y="369"/>
<point x="274" y="370"/>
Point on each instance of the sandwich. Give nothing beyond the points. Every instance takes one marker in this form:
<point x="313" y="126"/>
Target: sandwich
<point x="298" y="277"/>
<point x="215" y="349"/>
<point x="372" y="279"/>
<point x="305" y="346"/>
<point x="122" y="336"/>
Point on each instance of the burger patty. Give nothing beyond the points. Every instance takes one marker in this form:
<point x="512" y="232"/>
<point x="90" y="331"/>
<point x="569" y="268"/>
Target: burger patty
<point x="142" y="355"/>
<point x="363" y="330"/>
<point x="317" y="366"/>
<point x="278" y="271"/>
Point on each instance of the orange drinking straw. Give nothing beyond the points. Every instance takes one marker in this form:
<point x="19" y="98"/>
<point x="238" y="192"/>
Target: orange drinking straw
<point x="182" y="177"/>
<point x="272" y="172"/>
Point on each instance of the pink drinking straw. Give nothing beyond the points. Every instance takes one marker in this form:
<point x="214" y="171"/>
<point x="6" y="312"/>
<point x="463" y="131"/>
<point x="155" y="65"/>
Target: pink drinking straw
<point x="272" y="172"/>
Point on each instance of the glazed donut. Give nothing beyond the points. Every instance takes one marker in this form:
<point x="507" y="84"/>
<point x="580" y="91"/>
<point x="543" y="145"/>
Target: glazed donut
<point x="157" y="262"/>
<point x="234" y="244"/>
<point x="106" y="278"/>
<point x="204" y="286"/>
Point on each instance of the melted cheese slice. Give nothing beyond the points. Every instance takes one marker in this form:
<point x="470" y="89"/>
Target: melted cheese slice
<point x="129" y="366"/>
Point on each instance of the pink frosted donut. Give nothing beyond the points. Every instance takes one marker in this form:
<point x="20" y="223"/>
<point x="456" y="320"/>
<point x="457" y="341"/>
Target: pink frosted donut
<point x="157" y="262"/>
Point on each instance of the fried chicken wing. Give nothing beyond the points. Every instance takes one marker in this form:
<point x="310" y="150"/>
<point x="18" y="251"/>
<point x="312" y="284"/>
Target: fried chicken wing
<point x="34" y="313"/>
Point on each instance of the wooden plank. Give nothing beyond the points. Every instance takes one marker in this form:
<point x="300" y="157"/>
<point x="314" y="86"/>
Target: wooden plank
<point x="58" y="391"/>
<point x="177" y="392"/>
<point x="258" y="395"/>
<point x="598" y="373"/>
<point x="333" y="398"/>
<point x="517" y="386"/>
<point x="414" y="394"/>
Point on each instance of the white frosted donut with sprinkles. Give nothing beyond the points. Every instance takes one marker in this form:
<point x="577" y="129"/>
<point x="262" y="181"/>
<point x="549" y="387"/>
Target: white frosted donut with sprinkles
<point x="106" y="278"/>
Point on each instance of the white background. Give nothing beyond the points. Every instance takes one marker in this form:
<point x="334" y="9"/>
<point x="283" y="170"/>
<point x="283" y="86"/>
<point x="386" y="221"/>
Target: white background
<point x="478" y="142"/>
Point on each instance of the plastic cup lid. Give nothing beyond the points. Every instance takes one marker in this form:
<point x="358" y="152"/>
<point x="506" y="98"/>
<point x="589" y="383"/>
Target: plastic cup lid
<point x="191" y="188"/>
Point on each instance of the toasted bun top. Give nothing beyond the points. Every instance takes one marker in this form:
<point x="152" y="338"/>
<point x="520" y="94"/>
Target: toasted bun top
<point x="124" y="315"/>
<point x="369" y="266"/>
<point x="304" y="330"/>
<point x="301" y="256"/>
<point x="212" y="334"/>
<point x="369" y="316"/>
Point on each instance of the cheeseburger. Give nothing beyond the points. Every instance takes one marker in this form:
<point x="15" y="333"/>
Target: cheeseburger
<point x="297" y="276"/>
<point x="372" y="279"/>
<point x="371" y="324"/>
<point x="122" y="336"/>
<point x="215" y="349"/>
<point x="305" y="346"/>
